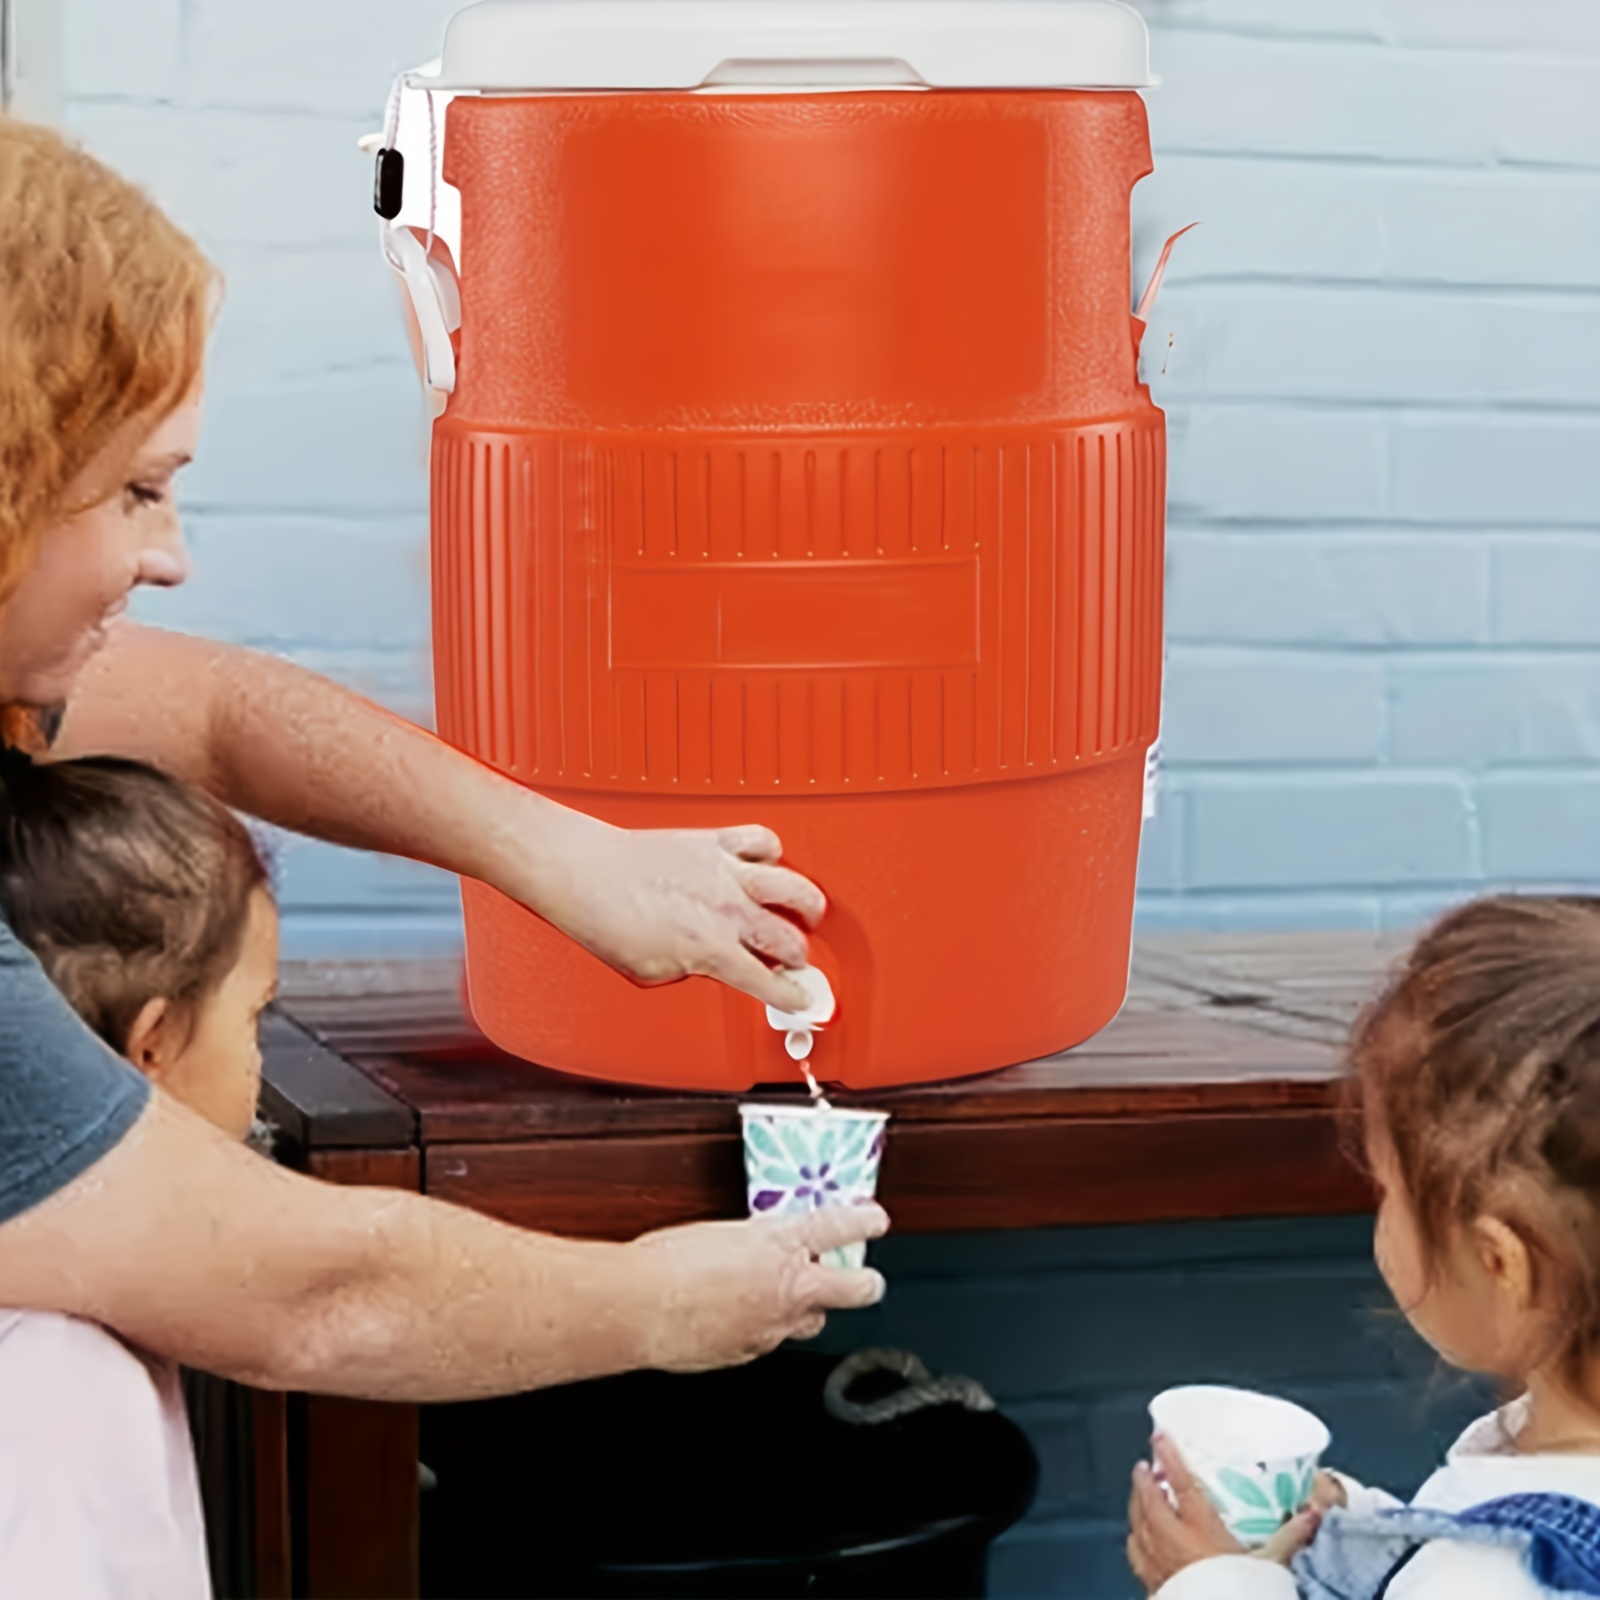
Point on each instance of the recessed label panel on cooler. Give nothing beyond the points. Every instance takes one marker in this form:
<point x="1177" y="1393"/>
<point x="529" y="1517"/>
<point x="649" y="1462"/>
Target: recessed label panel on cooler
<point x="858" y="613"/>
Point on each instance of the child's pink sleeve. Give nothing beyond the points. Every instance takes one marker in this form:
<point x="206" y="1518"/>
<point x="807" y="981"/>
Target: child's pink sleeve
<point x="99" y="1497"/>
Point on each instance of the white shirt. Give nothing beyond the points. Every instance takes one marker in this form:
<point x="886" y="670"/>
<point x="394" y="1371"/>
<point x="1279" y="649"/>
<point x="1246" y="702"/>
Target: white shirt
<point x="1483" y="1464"/>
<point x="99" y="1496"/>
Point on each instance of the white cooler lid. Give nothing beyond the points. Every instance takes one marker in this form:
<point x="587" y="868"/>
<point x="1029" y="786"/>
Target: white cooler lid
<point x="531" y="45"/>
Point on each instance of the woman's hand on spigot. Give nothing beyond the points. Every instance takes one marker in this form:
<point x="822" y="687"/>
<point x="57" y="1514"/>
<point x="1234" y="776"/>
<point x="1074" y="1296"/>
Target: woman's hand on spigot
<point x="661" y="904"/>
<point x="655" y="904"/>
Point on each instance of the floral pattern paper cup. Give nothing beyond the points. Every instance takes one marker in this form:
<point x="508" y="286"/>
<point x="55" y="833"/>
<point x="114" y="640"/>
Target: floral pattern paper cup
<point x="801" y="1158"/>
<point x="1255" y="1455"/>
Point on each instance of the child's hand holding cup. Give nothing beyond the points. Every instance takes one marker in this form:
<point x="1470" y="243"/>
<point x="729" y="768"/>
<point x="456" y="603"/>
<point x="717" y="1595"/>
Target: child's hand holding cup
<point x="1255" y="1455"/>
<point x="1234" y="1473"/>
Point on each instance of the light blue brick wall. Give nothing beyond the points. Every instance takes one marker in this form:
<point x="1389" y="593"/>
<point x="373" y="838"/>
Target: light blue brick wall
<point x="1381" y="357"/>
<point x="1383" y="390"/>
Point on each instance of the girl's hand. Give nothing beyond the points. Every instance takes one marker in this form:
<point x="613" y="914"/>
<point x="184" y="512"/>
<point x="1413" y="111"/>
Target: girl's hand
<point x="1173" y="1525"/>
<point x="1327" y="1492"/>
<point x="1168" y="1532"/>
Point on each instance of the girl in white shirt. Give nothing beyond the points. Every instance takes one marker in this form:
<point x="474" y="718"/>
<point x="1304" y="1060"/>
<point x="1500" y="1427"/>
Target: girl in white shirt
<point x="1479" y="1078"/>
<point x="147" y="904"/>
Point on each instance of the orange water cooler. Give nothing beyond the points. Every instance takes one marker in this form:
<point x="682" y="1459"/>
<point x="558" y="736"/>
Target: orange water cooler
<point x="792" y="466"/>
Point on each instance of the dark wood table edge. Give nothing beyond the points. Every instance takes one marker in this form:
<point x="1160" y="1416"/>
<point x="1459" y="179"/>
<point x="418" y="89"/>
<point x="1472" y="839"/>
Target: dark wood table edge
<point x="316" y="1099"/>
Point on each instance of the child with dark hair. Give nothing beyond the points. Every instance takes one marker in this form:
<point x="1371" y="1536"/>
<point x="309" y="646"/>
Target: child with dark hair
<point x="147" y="904"/>
<point x="1478" y="1072"/>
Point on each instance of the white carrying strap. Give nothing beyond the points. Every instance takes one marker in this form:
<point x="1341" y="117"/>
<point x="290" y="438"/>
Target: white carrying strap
<point x="1152" y="759"/>
<point x="435" y="302"/>
<point x="424" y="268"/>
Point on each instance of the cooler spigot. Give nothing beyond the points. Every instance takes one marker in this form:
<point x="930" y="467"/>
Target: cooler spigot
<point x="797" y="1027"/>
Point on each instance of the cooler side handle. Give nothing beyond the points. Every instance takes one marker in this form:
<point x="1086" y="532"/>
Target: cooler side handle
<point x="1148" y="298"/>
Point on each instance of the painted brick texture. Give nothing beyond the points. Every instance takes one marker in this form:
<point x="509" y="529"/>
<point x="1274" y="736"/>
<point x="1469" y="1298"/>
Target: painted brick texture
<point x="1381" y="376"/>
<point x="1383" y="384"/>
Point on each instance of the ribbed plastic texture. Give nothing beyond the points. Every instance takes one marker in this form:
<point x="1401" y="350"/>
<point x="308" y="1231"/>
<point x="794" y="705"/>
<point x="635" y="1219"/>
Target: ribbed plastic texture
<point x="798" y="471"/>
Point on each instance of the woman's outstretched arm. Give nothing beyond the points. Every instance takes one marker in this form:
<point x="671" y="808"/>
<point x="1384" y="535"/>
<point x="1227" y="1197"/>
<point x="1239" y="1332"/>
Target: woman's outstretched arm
<point x="301" y="751"/>
<point x="189" y="1244"/>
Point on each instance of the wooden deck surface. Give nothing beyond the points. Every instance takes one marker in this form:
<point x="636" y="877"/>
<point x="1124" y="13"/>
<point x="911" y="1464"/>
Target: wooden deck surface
<point x="1214" y="1093"/>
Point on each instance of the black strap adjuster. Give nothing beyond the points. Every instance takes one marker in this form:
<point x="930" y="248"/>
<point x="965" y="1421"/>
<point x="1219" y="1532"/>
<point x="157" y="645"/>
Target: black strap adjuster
<point x="388" y="183"/>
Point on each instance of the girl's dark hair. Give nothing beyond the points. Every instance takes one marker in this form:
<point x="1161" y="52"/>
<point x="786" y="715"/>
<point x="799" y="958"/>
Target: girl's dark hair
<point x="1481" y="1064"/>
<point x="126" y="884"/>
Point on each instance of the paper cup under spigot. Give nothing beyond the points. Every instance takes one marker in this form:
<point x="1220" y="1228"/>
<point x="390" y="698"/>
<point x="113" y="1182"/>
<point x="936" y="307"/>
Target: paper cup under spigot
<point x="803" y="1158"/>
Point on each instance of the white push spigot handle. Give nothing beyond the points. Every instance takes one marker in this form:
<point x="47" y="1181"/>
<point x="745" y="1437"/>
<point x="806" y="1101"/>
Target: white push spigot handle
<point x="404" y="251"/>
<point x="797" y="1027"/>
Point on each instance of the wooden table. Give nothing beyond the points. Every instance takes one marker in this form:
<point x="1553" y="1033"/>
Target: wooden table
<point x="1214" y="1094"/>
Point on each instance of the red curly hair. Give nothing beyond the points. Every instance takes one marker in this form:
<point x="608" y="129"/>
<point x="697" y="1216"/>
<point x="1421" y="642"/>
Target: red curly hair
<point x="104" y="309"/>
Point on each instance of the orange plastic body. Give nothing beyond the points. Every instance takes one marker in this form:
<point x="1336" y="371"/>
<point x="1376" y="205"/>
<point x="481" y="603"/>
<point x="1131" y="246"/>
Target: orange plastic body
<point x="798" y="471"/>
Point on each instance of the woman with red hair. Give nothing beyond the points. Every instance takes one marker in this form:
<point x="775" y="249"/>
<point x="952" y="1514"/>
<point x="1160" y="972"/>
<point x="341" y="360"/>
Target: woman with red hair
<point x="116" y="1204"/>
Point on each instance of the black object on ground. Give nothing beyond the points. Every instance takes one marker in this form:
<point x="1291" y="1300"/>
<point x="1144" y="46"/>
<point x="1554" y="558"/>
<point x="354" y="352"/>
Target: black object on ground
<point x="733" y="1483"/>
